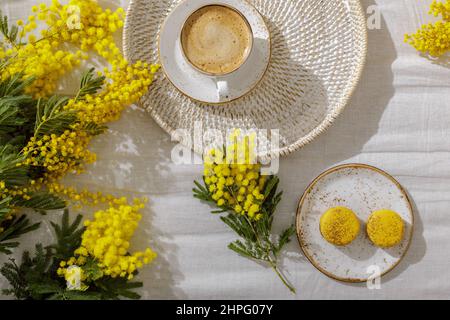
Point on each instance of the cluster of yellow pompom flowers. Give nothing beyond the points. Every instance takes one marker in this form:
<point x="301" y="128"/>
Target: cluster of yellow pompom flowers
<point x="72" y="33"/>
<point x="82" y="197"/>
<point x="126" y="85"/>
<point x="434" y="38"/>
<point x="64" y="127"/>
<point x="233" y="177"/>
<point x="59" y="154"/>
<point x="80" y="23"/>
<point x="107" y="240"/>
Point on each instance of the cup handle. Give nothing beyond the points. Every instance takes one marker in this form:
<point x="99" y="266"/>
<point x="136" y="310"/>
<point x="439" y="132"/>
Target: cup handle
<point x="223" y="92"/>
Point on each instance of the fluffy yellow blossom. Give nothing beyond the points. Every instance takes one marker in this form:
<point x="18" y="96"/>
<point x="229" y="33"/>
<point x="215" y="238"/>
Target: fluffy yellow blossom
<point x="442" y="9"/>
<point x="84" y="25"/>
<point x="433" y="38"/>
<point x="85" y="197"/>
<point x="41" y="60"/>
<point x="107" y="240"/>
<point x="233" y="177"/>
<point x="74" y="32"/>
<point x="125" y="87"/>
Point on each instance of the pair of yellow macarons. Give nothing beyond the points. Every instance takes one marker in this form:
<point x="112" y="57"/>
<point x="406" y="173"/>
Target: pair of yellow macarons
<point x="340" y="226"/>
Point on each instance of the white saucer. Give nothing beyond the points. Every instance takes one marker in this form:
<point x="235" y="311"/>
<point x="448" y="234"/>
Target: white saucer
<point x="197" y="85"/>
<point x="363" y="189"/>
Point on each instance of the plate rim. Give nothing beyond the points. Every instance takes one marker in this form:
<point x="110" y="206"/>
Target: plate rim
<point x="327" y="122"/>
<point x="326" y="173"/>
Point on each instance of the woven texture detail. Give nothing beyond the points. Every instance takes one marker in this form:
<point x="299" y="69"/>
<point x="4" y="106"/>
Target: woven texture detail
<point x="318" y="53"/>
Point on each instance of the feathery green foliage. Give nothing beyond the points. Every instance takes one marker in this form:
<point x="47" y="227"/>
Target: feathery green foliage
<point x="13" y="230"/>
<point x="40" y="201"/>
<point x="36" y="276"/>
<point x="68" y="237"/>
<point x="90" y="84"/>
<point x="256" y="236"/>
<point x="94" y="129"/>
<point x="10" y="173"/>
<point x="21" y="118"/>
<point x="10" y="33"/>
<point x="51" y="118"/>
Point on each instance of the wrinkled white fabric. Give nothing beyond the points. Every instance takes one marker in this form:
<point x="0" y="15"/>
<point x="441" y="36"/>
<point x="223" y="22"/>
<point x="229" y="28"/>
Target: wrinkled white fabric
<point x="398" y="120"/>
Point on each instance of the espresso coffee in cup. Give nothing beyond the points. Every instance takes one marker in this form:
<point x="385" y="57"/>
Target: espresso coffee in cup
<point x="216" y="40"/>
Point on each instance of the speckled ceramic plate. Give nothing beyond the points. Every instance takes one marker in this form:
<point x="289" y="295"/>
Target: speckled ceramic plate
<point x="363" y="189"/>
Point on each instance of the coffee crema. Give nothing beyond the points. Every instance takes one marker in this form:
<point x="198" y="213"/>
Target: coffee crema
<point x="216" y="39"/>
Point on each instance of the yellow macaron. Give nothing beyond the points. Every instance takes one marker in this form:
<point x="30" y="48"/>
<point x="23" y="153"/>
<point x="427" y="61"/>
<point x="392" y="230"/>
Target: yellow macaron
<point x="339" y="226"/>
<point x="385" y="228"/>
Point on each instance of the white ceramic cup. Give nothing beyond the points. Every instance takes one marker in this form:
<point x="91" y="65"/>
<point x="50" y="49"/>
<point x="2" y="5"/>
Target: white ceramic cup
<point x="222" y="85"/>
<point x="197" y="85"/>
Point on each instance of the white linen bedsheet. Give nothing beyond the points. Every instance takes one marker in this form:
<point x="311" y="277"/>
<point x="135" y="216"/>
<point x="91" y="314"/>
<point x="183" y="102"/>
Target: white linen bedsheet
<point x="398" y="120"/>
